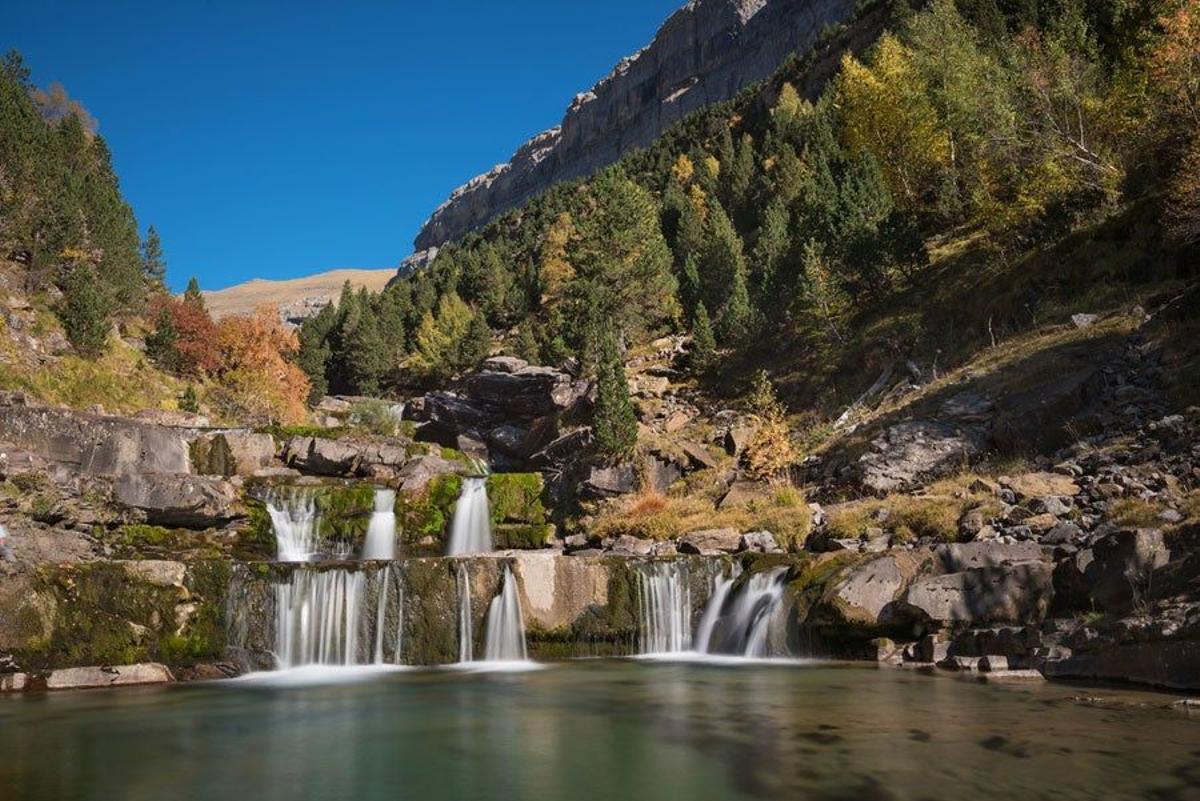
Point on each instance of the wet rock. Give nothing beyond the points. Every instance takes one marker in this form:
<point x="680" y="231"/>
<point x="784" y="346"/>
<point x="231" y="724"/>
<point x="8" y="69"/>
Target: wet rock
<point x="78" y="678"/>
<point x="416" y="474"/>
<point x="710" y="542"/>
<point x="933" y="647"/>
<point x="991" y="663"/>
<point x="179" y="500"/>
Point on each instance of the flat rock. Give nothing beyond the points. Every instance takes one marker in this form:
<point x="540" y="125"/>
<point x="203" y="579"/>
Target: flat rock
<point x="1018" y="593"/>
<point x="908" y="454"/>
<point x="710" y="542"/>
<point x="1038" y="485"/>
<point x="77" y="678"/>
<point x="179" y="500"/>
<point x="744" y="492"/>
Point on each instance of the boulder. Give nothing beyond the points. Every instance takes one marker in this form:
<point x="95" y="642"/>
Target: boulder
<point x="606" y="482"/>
<point x="563" y="449"/>
<point x="417" y="473"/>
<point x="739" y="436"/>
<point x="699" y="457"/>
<point x="866" y="594"/>
<point x="79" y="678"/>
<point x="710" y="542"/>
<point x="744" y="492"/>
<point x="232" y="453"/>
<point x="504" y="364"/>
<point x="1016" y="593"/>
<point x="759" y="542"/>
<point x="179" y="500"/>
<point x="659" y="474"/>
<point x="526" y="393"/>
<point x="907" y="454"/>
<point x="321" y="456"/>
<point x="1122" y="565"/>
<point x="1033" y="486"/>
<point x="955" y="557"/>
<point x="511" y="440"/>
<point x="627" y="545"/>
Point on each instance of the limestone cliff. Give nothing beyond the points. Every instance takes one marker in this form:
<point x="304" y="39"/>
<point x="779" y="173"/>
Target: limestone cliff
<point x="704" y="53"/>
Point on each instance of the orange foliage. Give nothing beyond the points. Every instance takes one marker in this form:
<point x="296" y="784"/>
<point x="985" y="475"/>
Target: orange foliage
<point x="258" y="380"/>
<point x="196" y="334"/>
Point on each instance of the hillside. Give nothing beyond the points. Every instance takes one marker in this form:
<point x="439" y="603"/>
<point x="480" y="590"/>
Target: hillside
<point x="296" y="298"/>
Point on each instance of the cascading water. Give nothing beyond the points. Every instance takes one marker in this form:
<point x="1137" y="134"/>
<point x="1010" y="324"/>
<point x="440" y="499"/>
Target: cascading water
<point x="722" y="585"/>
<point x="295" y="521"/>
<point x="743" y="628"/>
<point x="466" y="648"/>
<point x="471" y="531"/>
<point x="505" y="625"/>
<point x="324" y="617"/>
<point x="381" y="530"/>
<point x="665" y="605"/>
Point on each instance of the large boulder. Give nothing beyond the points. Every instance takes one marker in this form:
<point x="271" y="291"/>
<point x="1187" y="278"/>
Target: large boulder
<point x="1016" y="593"/>
<point x="1120" y="572"/>
<point x="711" y="541"/>
<point x="955" y="557"/>
<point x="94" y="444"/>
<point x="866" y="596"/>
<point x="326" y="457"/>
<point x="609" y="481"/>
<point x="416" y="474"/>
<point x="232" y="453"/>
<point x="907" y="454"/>
<point x="179" y="500"/>
<point x="525" y="393"/>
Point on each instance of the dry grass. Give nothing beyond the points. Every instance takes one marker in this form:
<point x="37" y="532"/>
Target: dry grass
<point x="244" y="298"/>
<point x="1135" y="513"/>
<point x="935" y="513"/>
<point x="650" y="515"/>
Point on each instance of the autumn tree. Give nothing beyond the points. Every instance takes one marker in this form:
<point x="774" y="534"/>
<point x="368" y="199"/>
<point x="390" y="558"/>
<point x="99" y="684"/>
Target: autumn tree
<point x="258" y="381"/>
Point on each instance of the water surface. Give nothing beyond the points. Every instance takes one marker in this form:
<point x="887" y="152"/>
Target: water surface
<point x="595" y="730"/>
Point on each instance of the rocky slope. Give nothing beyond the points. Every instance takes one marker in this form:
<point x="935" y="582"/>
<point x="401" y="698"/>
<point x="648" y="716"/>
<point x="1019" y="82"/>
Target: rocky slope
<point x="297" y="298"/>
<point x="704" y="53"/>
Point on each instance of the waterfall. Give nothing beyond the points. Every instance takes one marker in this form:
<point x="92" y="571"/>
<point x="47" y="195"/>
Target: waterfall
<point x="722" y="585"/>
<point x="466" y="649"/>
<point x="471" y="531"/>
<point x="294" y="519"/>
<point x="381" y="531"/>
<point x="743" y="629"/>
<point x="665" y="607"/>
<point x="505" y="626"/>
<point x="322" y="617"/>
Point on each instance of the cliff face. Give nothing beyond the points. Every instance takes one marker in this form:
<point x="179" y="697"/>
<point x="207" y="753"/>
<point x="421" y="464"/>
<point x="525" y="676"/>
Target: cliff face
<point x="704" y="53"/>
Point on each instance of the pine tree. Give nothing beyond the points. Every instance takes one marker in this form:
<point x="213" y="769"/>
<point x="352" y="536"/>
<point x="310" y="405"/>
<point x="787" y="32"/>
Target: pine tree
<point x="704" y="343"/>
<point x="737" y="323"/>
<point x="188" y="401"/>
<point x="475" y="345"/>
<point x="723" y="258"/>
<point x="153" y="263"/>
<point x="767" y="257"/>
<point x="614" y="425"/>
<point x="192" y="294"/>
<point x="85" y="311"/>
<point x="315" y="351"/>
<point x="162" y="343"/>
<point x="365" y="353"/>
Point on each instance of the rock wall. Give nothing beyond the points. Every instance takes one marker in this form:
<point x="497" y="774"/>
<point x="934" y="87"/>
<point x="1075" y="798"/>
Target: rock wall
<point x="704" y="53"/>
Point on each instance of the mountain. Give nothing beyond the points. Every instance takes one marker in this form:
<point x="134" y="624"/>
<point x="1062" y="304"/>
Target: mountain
<point x="704" y="53"/>
<point x="297" y="298"/>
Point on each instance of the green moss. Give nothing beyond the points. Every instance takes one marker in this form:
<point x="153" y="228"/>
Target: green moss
<point x="427" y="513"/>
<point x="345" y="512"/>
<point x="430" y="620"/>
<point x="138" y="534"/>
<point x="516" y="498"/>
<point x="256" y="538"/>
<point x="522" y="536"/>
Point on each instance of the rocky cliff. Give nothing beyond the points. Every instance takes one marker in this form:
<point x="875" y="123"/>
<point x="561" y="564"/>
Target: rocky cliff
<point x="704" y="53"/>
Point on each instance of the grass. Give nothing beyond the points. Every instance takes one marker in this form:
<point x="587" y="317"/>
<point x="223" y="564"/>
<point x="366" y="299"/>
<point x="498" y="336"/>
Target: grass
<point x="935" y="513"/>
<point x="650" y="515"/>
<point x="1135" y="513"/>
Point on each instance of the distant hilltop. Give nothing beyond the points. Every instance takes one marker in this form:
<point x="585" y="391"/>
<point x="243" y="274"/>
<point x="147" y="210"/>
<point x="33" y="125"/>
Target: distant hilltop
<point x="704" y="53"/>
<point x="296" y="298"/>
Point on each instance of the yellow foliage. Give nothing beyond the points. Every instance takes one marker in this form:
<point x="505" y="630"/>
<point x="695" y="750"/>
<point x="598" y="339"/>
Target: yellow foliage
<point x="886" y="111"/>
<point x="257" y="380"/>
<point x="554" y="268"/>
<point x="683" y="170"/>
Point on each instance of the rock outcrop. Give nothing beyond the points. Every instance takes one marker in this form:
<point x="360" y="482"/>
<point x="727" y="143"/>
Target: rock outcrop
<point x="704" y="53"/>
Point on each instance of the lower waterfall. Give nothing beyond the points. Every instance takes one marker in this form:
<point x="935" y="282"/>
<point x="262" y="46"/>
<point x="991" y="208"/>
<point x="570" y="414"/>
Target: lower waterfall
<point x="466" y="647"/>
<point x="294" y="519"/>
<point x="381" y="530"/>
<point x="744" y="619"/>
<point x="339" y="617"/>
<point x="722" y="585"/>
<point x="665" y="606"/>
<point x="471" y="530"/>
<point x="505" y="625"/>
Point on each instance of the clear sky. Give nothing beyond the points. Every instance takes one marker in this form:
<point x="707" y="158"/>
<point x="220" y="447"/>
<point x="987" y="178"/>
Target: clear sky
<point x="277" y="139"/>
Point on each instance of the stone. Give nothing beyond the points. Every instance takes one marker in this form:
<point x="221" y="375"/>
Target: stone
<point x="1173" y="664"/>
<point x="659" y="475"/>
<point x="606" y="482"/>
<point x="1063" y="533"/>
<point x="710" y="542"/>
<point x="157" y="572"/>
<point x="416" y="474"/>
<point x="333" y="406"/>
<point x="576" y="542"/>
<point x="510" y="439"/>
<point x="990" y="663"/>
<point x="698" y="456"/>
<point x="704" y="53"/>
<point x="739" y="436"/>
<point x="321" y="456"/>
<point x="677" y="421"/>
<point x="232" y="453"/>
<point x="1011" y="675"/>
<point x="964" y="663"/>
<point x="1039" y="485"/>
<point x="759" y="542"/>
<point x="1051" y="505"/>
<point x="1016" y="593"/>
<point x="78" y="678"/>
<point x="865" y="596"/>
<point x="13" y="682"/>
<point x="184" y="501"/>
<point x="527" y="393"/>
<point x="503" y="364"/>
<point x="1041" y="523"/>
<point x="562" y="449"/>
<point x="744" y="493"/>
<point x="650" y="386"/>
<point x="932" y="648"/>
<point x="628" y="545"/>
<point x="1082" y="321"/>
<point x="1122" y="567"/>
<point x="907" y="454"/>
<point x="955" y="557"/>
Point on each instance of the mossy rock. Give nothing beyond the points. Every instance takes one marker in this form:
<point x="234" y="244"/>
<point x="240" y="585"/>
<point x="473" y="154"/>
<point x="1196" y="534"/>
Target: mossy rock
<point x="111" y="613"/>
<point x="516" y="498"/>
<point x="427" y="513"/>
<point x="522" y="536"/>
<point x="345" y="512"/>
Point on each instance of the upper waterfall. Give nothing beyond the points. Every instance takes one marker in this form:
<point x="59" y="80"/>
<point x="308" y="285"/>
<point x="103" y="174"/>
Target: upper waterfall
<point x="471" y="531"/>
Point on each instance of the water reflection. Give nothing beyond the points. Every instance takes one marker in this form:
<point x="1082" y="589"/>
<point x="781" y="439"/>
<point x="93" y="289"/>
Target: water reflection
<point x="595" y="730"/>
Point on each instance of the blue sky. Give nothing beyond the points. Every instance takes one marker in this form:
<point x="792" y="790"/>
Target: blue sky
<point x="278" y="139"/>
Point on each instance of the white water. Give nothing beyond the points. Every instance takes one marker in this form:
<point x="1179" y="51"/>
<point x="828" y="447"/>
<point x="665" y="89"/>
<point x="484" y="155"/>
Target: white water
<point x="295" y="520"/>
<point x="381" y="530"/>
<point x="744" y="628"/>
<point x="505" y="625"/>
<point x="712" y="610"/>
<point x="466" y="648"/>
<point x="665" y="604"/>
<point x="322" y="618"/>
<point x="471" y="531"/>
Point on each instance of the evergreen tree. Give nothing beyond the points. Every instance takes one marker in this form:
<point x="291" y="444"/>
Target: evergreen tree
<point x="365" y="353"/>
<point x="162" y="343"/>
<point x="723" y="258"/>
<point x="704" y="343"/>
<point x="153" y="263"/>
<point x="315" y="352"/>
<point x="770" y="249"/>
<point x="188" y="401"/>
<point x="192" y="294"/>
<point x="85" y="311"/>
<point x="737" y="323"/>
<point x="475" y="345"/>
<point x="614" y="425"/>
